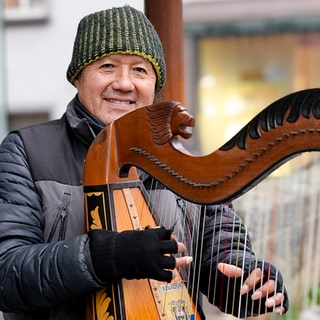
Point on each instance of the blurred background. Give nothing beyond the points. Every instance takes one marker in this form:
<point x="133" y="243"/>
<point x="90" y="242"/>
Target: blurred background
<point x="239" y="56"/>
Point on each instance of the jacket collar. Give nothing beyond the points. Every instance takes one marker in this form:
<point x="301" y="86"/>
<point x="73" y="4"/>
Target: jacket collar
<point x="83" y="124"/>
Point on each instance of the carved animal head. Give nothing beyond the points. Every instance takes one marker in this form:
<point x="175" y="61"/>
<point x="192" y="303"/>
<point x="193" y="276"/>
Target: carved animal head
<point x="182" y="122"/>
<point x="168" y="119"/>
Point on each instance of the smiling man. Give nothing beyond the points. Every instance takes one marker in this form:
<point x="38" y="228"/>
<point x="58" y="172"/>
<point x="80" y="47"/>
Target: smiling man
<point x="48" y="264"/>
<point x="115" y="85"/>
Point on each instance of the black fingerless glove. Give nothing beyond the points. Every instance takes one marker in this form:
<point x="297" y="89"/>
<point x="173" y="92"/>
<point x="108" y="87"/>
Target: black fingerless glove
<point x="132" y="254"/>
<point x="271" y="272"/>
<point x="225" y="292"/>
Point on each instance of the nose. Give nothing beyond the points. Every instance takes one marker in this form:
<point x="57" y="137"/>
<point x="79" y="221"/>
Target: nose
<point x="123" y="81"/>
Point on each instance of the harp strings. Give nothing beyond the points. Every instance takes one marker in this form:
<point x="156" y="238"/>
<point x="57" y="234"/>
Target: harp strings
<point x="188" y="222"/>
<point x="283" y="217"/>
<point x="182" y="217"/>
<point x="265" y="216"/>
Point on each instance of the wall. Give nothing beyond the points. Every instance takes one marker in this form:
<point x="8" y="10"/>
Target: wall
<point x="37" y="56"/>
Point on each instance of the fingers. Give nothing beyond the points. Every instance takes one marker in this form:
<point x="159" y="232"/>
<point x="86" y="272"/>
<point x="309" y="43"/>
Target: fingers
<point x="275" y="300"/>
<point x="180" y="261"/>
<point x="183" y="261"/>
<point x="230" y="270"/>
<point x="254" y="278"/>
<point x="169" y="246"/>
<point x="170" y="262"/>
<point x="169" y="265"/>
<point x="267" y="290"/>
<point x="181" y="247"/>
<point x="264" y="291"/>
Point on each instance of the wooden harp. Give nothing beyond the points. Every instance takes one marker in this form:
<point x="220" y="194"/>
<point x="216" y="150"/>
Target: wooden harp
<point x="283" y="130"/>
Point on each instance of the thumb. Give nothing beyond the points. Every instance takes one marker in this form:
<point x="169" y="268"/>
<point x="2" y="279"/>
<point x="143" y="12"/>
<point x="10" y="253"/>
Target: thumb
<point x="230" y="270"/>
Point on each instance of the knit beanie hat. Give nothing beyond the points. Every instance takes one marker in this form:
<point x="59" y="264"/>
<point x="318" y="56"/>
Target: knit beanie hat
<point x="118" y="30"/>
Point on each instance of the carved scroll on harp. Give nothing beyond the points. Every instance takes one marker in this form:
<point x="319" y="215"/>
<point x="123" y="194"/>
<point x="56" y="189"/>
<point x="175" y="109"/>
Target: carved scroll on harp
<point x="284" y="129"/>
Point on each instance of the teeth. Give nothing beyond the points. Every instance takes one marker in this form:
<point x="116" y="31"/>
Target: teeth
<point x="119" y="101"/>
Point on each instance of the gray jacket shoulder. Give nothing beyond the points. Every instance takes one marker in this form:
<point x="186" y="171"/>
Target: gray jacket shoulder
<point x="27" y="195"/>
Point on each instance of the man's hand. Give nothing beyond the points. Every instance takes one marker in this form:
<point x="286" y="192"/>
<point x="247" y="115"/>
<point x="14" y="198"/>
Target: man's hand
<point x="274" y="300"/>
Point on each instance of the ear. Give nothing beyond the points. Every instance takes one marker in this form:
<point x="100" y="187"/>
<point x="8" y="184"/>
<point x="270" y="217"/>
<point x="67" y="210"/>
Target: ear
<point x="76" y="82"/>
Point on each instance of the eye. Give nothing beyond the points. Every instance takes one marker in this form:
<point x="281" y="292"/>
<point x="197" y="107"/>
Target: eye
<point x="107" y="66"/>
<point x="140" y="70"/>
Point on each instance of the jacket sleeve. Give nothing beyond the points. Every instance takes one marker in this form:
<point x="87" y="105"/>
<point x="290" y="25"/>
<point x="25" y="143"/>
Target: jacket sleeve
<point x="225" y="239"/>
<point x="34" y="274"/>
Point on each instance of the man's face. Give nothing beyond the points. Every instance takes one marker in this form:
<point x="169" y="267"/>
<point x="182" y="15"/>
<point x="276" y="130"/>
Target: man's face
<point x="115" y="85"/>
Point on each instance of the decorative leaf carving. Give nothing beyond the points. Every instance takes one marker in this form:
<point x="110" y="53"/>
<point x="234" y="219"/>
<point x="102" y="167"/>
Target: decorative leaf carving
<point x="96" y="222"/>
<point x="102" y="305"/>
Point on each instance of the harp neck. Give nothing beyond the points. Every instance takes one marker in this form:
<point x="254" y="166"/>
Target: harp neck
<point x="286" y="128"/>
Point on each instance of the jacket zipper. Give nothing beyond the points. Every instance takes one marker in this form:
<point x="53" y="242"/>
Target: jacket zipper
<point x="61" y="217"/>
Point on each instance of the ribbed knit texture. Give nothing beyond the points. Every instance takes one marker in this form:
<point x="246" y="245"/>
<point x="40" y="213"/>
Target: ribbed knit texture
<point x="117" y="30"/>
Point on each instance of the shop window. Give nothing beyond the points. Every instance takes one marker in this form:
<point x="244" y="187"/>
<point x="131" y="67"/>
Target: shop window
<point x="25" y="10"/>
<point x="239" y="75"/>
<point x="24" y="119"/>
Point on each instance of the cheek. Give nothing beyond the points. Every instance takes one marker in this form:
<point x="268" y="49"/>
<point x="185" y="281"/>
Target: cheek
<point x="89" y="93"/>
<point x="148" y="93"/>
<point x="151" y="99"/>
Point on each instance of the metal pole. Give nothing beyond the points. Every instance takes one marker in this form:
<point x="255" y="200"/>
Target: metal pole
<point x="3" y="107"/>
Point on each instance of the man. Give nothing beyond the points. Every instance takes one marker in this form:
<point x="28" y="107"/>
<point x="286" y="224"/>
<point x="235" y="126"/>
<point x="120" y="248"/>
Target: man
<point x="47" y="263"/>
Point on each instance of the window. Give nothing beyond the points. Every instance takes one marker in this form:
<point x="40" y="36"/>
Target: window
<point x="23" y="119"/>
<point x="239" y="75"/>
<point x="25" y="10"/>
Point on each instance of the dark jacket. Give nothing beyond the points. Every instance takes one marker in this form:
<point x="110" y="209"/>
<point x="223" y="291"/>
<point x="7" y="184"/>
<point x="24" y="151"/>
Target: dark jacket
<point x="45" y="264"/>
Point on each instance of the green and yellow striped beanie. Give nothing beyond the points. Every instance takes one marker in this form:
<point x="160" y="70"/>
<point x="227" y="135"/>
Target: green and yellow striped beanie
<point x="118" y="30"/>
